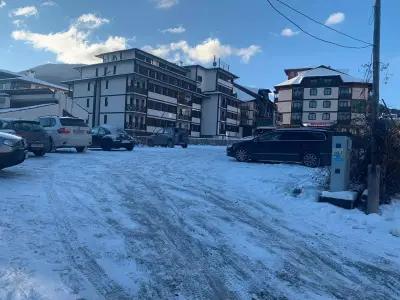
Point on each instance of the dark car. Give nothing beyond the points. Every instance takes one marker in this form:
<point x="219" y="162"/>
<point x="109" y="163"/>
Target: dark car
<point x="311" y="147"/>
<point x="169" y="137"/>
<point x="12" y="150"/>
<point x="36" y="138"/>
<point x="109" y="137"/>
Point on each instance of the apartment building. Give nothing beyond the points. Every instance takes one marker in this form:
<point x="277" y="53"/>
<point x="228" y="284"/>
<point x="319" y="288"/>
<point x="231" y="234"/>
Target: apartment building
<point x="25" y="96"/>
<point x="321" y="97"/>
<point x="140" y="92"/>
<point x="220" y="114"/>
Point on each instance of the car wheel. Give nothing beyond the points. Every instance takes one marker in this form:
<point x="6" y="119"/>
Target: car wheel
<point x="130" y="147"/>
<point x="106" y="144"/>
<point x="311" y="160"/>
<point x="170" y="144"/>
<point x="184" y="146"/>
<point x="81" y="149"/>
<point x="241" y="155"/>
<point x="150" y="143"/>
<point x="39" y="152"/>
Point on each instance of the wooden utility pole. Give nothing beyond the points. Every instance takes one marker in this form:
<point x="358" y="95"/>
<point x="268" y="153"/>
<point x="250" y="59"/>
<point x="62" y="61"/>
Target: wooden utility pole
<point x="374" y="168"/>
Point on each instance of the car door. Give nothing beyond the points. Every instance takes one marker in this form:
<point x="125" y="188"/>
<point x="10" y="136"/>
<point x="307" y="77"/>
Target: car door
<point x="266" y="147"/>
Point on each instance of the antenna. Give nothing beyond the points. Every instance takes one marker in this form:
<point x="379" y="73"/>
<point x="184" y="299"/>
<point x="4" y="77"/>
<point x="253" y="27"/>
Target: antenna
<point x="214" y="62"/>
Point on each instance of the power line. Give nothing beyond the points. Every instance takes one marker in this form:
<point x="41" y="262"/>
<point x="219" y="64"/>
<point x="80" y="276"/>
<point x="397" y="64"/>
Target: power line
<point x="312" y="35"/>
<point x="322" y="24"/>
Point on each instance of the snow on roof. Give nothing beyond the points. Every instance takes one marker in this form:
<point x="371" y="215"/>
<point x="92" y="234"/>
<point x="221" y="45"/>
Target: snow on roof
<point x="31" y="79"/>
<point x="320" y="71"/>
<point x="7" y="110"/>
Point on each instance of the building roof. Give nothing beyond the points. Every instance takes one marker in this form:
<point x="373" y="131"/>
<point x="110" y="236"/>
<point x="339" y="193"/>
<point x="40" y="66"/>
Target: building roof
<point x="320" y="71"/>
<point x="8" y="75"/>
<point x="214" y="68"/>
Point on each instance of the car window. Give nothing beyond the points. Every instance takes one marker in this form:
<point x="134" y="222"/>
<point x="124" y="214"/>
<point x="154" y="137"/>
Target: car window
<point x="271" y="136"/>
<point x="47" y="122"/>
<point x="73" y="122"/>
<point x="103" y="131"/>
<point x="317" y="136"/>
<point x="27" y="126"/>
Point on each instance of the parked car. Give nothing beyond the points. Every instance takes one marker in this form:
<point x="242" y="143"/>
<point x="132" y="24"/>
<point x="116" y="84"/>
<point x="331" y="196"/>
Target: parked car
<point x="37" y="140"/>
<point x="311" y="147"/>
<point x="169" y="137"/>
<point x="108" y="137"/>
<point x="12" y="150"/>
<point x="67" y="132"/>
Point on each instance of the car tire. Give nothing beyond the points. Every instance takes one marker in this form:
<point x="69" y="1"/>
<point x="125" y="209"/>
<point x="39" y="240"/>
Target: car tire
<point x="81" y="149"/>
<point x="39" y="153"/>
<point x="51" y="146"/>
<point x="170" y="144"/>
<point x="242" y="155"/>
<point x="130" y="147"/>
<point x="311" y="160"/>
<point x="184" y="146"/>
<point x="106" y="144"/>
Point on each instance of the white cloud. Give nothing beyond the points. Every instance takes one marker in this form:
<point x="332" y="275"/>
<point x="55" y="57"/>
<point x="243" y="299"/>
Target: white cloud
<point x="288" y="32"/>
<point x="73" y="45"/>
<point x="91" y="21"/>
<point x="174" y="30"/>
<point x="26" y="11"/>
<point x="203" y="52"/>
<point x="19" y="23"/>
<point x="166" y="3"/>
<point x="2" y="3"/>
<point x="335" y="18"/>
<point x="48" y="3"/>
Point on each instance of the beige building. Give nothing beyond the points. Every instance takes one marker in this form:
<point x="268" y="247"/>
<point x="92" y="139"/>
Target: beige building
<point x="320" y="97"/>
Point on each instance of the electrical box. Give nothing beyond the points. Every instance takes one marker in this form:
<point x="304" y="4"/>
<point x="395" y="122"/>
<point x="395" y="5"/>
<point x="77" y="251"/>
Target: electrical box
<point x="340" y="166"/>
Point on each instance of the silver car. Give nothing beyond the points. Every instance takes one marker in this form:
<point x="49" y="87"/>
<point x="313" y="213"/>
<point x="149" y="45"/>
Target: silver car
<point x="67" y="132"/>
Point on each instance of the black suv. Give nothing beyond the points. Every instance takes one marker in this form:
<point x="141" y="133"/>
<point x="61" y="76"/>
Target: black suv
<point x="311" y="147"/>
<point x="109" y="137"/>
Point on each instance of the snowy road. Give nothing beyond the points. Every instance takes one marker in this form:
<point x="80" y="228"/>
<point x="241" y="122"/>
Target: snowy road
<point x="191" y="223"/>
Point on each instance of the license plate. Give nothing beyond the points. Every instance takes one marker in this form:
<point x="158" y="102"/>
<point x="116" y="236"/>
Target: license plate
<point x="78" y="131"/>
<point x="37" y="145"/>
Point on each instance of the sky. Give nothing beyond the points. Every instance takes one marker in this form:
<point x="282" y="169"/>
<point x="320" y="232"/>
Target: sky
<point x="248" y="35"/>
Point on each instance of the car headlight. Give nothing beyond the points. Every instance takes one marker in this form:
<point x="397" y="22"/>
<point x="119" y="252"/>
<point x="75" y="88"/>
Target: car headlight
<point x="9" y="143"/>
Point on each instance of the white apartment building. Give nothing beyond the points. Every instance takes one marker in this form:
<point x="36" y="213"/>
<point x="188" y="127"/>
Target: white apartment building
<point x="220" y="114"/>
<point x="23" y="96"/>
<point x="321" y="97"/>
<point x="140" y="92"/>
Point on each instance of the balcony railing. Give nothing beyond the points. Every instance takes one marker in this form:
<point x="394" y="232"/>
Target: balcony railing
<point x="345" y="95"/>
<point x="139" y="90"/>
<point x="344" y="108"/>
<point x="297" y="108"/>
<point x="132" y="107"/>
<point x="184" y="117"/>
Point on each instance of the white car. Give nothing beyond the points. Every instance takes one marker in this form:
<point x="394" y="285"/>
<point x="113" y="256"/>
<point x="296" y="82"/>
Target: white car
<point x="67" y="132"/>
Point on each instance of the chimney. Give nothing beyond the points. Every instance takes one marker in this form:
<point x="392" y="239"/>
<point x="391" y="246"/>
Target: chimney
<point x="30" y="73"/>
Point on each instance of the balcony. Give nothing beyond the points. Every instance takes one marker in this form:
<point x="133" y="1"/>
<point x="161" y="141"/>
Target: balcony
<point x="183" y="101"/>
<point x="296" y="122"/>
<point x="344" y="108"/>
<point x="139" y="90"/>
<point x="265" y="122"/>
<point x="184" y="117"/>
<point x="132" y="107"/>
<point x="345" y="93"/>
<point x="297" y="108"/>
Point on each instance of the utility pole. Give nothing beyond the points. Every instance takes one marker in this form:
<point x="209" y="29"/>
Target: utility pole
<point x="374" y="168"/>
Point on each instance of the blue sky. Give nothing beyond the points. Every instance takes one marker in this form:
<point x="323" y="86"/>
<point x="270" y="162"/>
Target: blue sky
<point x="247" y="34"/>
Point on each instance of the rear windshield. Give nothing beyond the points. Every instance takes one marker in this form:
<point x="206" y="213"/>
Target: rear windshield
<point x="73" y="122"/>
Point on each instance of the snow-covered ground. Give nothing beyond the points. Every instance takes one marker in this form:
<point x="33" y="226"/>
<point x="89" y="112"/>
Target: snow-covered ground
<point x="161" y="223"/>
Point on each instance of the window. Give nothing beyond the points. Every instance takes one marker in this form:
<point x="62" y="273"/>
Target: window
<point x="106" y="84"/>
<point x="313" y="92"/>
<point x="326" y="116"/>
<point x="47" y="122"/>
<point x="327" y="81"/>
<point x="312" y="116"/>
<point x="88" y="86"/>
<point x="87" y="102"/>
<point x="105" y="119"/>
<point x="115" y="70"/>
<point x="344" y="103"/>
<point x="200" y="78"/>
<point x="312" y="104"/>
<point x="327" y="104"/>
<point x="297" y="104"/>
<point x="106" y="101"/>
<point x="296" y="116"/>
<point x="105" y="71"/>
<point x="327" y="91"/>
<point x="314" y="81"/>
<point x="344" y="116"/>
